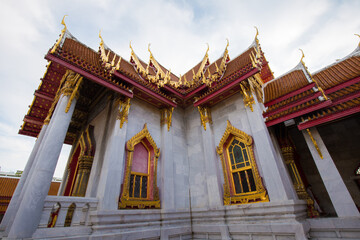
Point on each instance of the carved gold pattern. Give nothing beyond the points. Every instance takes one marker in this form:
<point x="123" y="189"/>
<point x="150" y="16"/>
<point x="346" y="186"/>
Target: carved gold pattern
<point x="125" y="200"/>
<point x="123" y="111"/>
<point x="256" y="84"/>
<point x="69" y="86"/>
<point x="108" y="63"/>
<point x="288" y="153"/>
<point x="315" y="143"/>
<point x="220" y="70"/>
<point x="61" y="36"/>
<point x="256" y="59"/>
<point x="260" y="195"/>
<point x="247" y="95"/>
<point x="205" y="116"/>
<point x="166" y="116"/>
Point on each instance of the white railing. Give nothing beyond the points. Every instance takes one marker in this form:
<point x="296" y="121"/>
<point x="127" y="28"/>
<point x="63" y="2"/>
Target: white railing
<point x="80" y="216"/>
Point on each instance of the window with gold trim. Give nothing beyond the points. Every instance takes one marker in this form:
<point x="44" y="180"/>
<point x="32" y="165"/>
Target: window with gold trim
<point x="139" y="188"/>
<point x="242" y="182"/>
<point x="241" y="169"/>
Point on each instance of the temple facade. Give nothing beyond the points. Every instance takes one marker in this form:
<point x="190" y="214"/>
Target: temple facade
<point x="224" y="151"/>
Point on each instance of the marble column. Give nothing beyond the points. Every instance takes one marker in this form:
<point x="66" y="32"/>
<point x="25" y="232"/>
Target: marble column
<point x="213" y="181"/>
<point x="167" y="193"/>
<point x="16" y="197"/>
<point x="112" y="167"/>
<point x="276" y="178"/>
<point x="334" y="184"/>
<point x="30" y="208"/>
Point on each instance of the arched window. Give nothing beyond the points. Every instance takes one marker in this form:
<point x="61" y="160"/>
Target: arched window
<point x="242" y="183"/>
<point x="139" y="188"/>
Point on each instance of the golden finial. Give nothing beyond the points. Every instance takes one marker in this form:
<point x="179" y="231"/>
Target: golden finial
<point x="256" y="35"/>
<point x="63" y="21"/>
<point x="207" y="48"/>
<point x="303" y="55"/>
<point x="61" y="36"/>
<point x="151" y="56"/>
<point x="131" y="46"/>
<point x="358" y="36"/>
<point x="102" y="41"/>
<point x="227" y="44"/>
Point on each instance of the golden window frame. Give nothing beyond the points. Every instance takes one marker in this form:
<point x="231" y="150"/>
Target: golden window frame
<point x="231" y="197"/>
<point x="152" y="200"/>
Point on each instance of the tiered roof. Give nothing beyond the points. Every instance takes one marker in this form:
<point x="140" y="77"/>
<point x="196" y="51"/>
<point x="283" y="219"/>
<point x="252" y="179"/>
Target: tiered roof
<point x="329" y="94"/>
<point x="205" y="84"/>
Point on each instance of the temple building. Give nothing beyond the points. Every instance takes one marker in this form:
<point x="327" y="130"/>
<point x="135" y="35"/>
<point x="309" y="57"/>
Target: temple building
<point x="223" y="151"/>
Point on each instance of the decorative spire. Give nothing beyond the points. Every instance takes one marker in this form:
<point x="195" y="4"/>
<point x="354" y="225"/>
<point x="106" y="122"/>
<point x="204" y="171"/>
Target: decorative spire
<point x="61" y="36"/>
<point x="309" y="76"/>
<point x="359" y="37"/>
<point x="302" y="57"/>
<point x="256" y="35"/>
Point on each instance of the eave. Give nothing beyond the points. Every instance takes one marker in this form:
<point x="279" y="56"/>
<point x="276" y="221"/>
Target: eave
<point x="328" y="118"/>
<point x="145" y="90"/>
<point x="89" y="76"/>
<point x="299" y="113"/>
<point x="224" y="89"/>
<point x="289" y="95"/>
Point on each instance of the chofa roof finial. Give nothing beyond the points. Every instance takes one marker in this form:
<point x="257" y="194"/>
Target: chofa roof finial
<point x="303" y="56"/>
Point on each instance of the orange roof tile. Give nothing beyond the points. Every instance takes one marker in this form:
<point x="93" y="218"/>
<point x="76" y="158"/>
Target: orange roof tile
<point x="339" y="72"/>
<point x="291" y="81"/>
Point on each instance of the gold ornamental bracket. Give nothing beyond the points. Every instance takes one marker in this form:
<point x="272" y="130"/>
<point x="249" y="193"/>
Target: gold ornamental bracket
<point x="256" y="85"/>
<point x="61" y="36"/>
<point x="69" y="86"/>
<point x="315" y="143"/>
<point x="123" y="110"/>
<point x="166" y="117"/>
<point x="247" y="96"/>
<point x="205" y="116"/>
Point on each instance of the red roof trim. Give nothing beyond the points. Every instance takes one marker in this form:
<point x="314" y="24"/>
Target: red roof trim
<point x="291" y="94"/>
<point x="142" y="88"/>
<point x="191" y="94"/>
<point x="293" y="104"/>
<point x="33" y="120"/>
<point x="299" y="113"/>
<point x="173" y="91"/>
<point x="28" y="133"/>
<point x="343" y="85"/>
<point x="88" y="75"/>
<point x="44" y="95"/>
<point x="227" y="87"/>
<point x="346" y="98"/>
<point x="328" y="118"/>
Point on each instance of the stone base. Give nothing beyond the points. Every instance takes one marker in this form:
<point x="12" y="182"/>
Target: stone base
<point x="334" y="228"/>
<point x="280" y="220"/>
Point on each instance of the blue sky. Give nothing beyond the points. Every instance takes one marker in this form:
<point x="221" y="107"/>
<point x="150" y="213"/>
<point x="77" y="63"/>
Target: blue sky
<point x="178" y="32"/>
